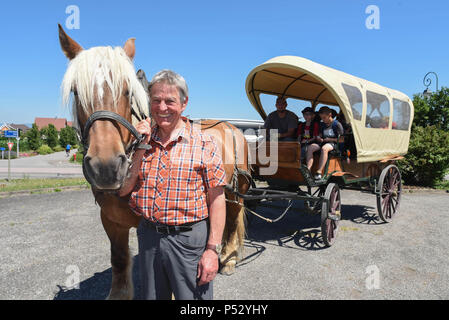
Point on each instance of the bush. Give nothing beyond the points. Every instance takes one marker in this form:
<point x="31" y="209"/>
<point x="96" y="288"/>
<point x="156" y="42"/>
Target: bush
<point x="79" y="157"/>
<point x="427" y="160"/>
<point x="58" y="149"/>
<point x="51" y="135"/>
<point x="44" y="149"/>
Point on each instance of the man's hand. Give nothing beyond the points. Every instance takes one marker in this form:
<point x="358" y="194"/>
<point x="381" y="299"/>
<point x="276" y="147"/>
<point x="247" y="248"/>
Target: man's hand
<point x="144" y="127"/>
<point x="207" y="267"/>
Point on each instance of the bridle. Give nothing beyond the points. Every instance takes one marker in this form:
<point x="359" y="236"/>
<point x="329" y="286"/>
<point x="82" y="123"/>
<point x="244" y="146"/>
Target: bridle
<point x="83" y="133"/>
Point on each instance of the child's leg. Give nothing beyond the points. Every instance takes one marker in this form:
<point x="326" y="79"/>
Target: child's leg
<point x="324" y="155"/>
<point x="310" y="150"/>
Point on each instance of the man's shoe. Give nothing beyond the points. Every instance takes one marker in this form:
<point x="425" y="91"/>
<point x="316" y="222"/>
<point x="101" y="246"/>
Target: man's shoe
<point x="318" y="176"/>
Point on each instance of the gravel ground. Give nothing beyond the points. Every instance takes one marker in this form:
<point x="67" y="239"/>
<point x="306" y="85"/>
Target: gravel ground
<point x="52" y="241"/>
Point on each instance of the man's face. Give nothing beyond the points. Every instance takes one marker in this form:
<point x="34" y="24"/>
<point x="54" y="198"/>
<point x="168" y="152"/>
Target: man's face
<point x="281" y="105"/>
<point x="166" y="106"/>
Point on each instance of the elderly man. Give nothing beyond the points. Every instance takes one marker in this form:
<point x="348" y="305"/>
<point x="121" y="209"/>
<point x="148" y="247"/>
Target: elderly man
<point x="180" y="195"/>
<point x="286" y="122"/>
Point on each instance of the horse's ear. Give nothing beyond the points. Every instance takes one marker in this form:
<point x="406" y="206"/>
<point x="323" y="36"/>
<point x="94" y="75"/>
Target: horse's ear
<point x="130" y="48"/>
<point x="69" y="46"/>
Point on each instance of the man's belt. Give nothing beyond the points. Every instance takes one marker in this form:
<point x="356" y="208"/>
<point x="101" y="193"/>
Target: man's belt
<point x="168" y="229"/>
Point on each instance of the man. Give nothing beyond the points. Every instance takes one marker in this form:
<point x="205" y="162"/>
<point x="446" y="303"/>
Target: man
<point x="180" y="195"/>
<point x="283" y="120"/>
<point x="67" y="150"/>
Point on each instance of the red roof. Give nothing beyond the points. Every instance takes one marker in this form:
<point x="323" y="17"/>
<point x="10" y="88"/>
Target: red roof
<point x="59" y="123"/>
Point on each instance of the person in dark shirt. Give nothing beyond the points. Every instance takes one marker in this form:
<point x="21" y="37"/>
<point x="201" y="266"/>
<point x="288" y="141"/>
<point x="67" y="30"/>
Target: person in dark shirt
<point x="283" y="120"/>
<point x="330" y="130"/>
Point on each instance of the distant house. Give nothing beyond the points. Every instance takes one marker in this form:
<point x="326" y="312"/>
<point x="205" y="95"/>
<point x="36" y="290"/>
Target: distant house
<point x="22" y="127"/>
<point x="59" y="123"/>
<point x="5" y="127"/>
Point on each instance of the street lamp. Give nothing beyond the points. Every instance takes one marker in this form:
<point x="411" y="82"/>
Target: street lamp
<point x="427" y="82"/>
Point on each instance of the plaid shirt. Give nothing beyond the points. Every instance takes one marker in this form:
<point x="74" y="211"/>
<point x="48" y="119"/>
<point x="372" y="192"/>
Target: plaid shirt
<point x="173" y="181"/>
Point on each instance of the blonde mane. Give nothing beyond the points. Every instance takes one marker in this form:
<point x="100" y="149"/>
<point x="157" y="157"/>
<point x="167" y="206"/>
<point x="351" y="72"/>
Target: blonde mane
<point x="92" y="68"/>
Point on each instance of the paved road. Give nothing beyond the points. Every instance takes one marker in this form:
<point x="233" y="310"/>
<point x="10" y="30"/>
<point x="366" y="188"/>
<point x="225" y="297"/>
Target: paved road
<point x="47" y="238"/>
<point x="41" y="166"/>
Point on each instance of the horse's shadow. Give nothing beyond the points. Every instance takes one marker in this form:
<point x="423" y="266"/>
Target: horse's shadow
<point x="98" y="286"/>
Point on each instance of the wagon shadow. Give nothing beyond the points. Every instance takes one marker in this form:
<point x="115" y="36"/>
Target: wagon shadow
<point x="97" y="287"/>
<point x="297" y="229"/>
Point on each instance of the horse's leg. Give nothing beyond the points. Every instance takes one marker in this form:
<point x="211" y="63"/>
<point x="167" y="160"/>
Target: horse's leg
<point x="122" y="284"/>
<point x="233" y="235"/>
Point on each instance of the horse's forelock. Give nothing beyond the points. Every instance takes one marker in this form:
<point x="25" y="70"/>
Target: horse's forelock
<point x="93" y="68"/>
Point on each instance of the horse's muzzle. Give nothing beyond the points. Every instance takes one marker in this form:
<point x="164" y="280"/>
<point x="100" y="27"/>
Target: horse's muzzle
<point x="106" y="175"/>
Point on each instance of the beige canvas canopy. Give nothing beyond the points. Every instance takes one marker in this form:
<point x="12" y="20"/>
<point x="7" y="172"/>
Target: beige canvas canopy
<point x="380" y="117"/>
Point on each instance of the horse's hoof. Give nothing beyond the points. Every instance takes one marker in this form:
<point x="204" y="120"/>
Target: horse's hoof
<point x="228" y="269"/>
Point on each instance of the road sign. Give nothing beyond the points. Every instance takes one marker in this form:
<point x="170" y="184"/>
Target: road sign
<point x="10" y="144"/>
<point x="10" y="134"/>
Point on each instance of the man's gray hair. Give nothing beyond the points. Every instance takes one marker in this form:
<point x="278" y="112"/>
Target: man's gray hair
<point x="172" y="78"/>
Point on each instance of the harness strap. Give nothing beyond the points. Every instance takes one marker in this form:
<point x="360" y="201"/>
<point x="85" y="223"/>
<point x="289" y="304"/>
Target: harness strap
<point x="104" y="114"/>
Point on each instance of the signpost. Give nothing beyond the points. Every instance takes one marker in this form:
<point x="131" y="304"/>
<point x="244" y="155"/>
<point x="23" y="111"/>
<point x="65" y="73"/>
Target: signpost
<point x="11" y="134"/>
<point x="10" y="144"/>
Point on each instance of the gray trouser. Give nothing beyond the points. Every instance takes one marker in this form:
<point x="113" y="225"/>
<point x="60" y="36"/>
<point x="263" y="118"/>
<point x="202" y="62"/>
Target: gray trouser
<point x="169" y="263"/>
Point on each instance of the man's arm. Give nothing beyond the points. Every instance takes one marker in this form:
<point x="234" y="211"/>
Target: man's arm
<point x="208" y="265"/>
<point x="288" y="134"/>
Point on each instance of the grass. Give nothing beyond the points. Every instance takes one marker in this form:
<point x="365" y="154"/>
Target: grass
<point x="36" y="184"/>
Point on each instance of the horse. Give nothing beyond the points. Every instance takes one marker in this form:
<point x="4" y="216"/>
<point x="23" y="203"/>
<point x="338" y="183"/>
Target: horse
<point x="107" y="98"/>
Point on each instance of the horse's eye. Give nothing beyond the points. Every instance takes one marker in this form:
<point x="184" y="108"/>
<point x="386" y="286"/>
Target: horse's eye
<point x="127" y="93"/>
<point x="75" y="92"/>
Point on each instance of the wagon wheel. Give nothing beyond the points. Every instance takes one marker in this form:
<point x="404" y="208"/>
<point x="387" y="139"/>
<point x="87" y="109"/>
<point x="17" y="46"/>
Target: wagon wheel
<point x="330" y="213"/>
<point x="389" y="196"/>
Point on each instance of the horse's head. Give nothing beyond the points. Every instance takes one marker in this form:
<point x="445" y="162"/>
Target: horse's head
<point x="102" y="78"/>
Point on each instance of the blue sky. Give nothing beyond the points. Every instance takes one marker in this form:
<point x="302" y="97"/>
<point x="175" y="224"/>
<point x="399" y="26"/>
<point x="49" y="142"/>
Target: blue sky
<point x="215" y="44"/>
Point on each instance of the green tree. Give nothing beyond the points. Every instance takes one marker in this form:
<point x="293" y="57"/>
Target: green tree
<point x="433" y="110"/>
<point x="67" y="136"/>
<point x="51" y="135"/>
<point x="34" y="137"/>
<point x="427" y="159"/>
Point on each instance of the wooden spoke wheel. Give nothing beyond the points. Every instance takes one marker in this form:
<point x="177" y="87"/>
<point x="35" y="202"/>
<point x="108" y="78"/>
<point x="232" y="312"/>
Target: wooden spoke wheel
<point x="330" y="214"/>
<point x="389" y="192"/>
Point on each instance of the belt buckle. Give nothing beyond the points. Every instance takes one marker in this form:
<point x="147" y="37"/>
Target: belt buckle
<point x="162" y="230"/>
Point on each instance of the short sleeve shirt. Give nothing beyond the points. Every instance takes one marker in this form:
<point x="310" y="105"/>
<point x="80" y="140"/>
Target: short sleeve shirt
<point x="273" y="121"/>
<point x="173" y="181"/>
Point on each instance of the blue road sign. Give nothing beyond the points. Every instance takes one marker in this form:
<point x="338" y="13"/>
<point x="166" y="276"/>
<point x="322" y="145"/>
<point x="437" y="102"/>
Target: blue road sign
<point x="10" y="134"/>
<point x="2" y="149"/>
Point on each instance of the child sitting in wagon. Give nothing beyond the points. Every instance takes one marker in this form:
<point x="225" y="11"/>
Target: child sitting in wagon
<point x="327" y="140"/>
<point x="308" y="131"/>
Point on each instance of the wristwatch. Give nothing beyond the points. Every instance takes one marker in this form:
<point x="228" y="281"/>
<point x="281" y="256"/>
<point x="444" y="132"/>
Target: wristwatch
<point x="216" y="247"/>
